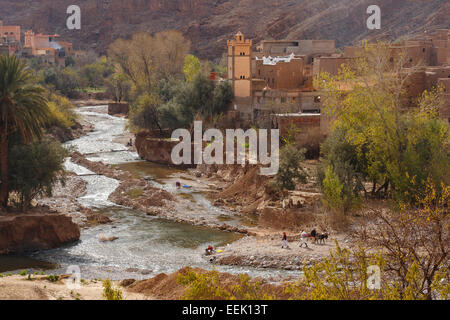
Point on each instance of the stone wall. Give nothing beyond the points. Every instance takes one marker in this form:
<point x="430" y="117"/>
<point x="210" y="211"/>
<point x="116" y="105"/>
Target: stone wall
<point x="118" y="108"/>
<point x="155" y="149"/>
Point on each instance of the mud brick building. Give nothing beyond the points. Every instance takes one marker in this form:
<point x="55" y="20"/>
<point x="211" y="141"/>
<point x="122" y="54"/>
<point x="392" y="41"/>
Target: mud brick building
<point x="273" y="84"/>
<point x="10" y="39"/>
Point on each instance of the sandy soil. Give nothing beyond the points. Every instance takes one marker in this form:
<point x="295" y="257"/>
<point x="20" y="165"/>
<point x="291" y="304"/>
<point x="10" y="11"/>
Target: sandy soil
<point x="39" y="288"/>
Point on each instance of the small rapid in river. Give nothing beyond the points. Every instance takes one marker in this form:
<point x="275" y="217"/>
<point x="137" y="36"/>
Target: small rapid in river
<point x="145" y="245"/>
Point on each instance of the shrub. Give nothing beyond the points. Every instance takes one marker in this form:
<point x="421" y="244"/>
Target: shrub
<point x="62" y="112"/>
<point x="109" y="293"/>
<point x="53" y="278"/>
<point x="135" y="193"/>
<point x="207" y="286"/>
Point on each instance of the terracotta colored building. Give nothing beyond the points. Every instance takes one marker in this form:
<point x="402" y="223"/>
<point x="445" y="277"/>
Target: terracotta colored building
<point x="10" y="33"/>
<point x="48" y="47"/>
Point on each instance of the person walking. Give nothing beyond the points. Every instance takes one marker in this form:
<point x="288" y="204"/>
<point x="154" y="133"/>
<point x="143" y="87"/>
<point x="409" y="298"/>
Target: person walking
<point x="284" y="242"/>
<point x="303" y="238"/>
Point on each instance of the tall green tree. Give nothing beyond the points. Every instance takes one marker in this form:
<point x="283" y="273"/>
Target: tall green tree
<point x="191" y="67"/>
<point x="23" y="109"/>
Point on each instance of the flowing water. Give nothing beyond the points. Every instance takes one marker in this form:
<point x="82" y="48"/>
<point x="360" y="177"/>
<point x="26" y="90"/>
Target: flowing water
<point x="145" y="245"/>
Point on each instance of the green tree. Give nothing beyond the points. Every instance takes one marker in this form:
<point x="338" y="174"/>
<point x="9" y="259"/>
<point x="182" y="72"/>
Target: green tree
<point x="119" y="87"/>
<point x="192" y="67"/>
<point x="146" y="113"/>
<point x="222" y="96"/>
<point x="67" y="82"/>
<point x="290" y="171"/>
<point x="96" y="73"/>
<point x="23" y="109"/>
<point x="35" y="168"/>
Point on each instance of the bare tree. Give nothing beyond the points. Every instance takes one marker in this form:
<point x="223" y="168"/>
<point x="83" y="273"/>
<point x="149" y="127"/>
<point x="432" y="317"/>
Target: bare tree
<point x="412" y="236"/>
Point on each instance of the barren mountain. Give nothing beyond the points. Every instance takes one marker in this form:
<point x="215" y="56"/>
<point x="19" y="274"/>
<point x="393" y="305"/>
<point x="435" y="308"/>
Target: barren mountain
<point x="209" y="23"/>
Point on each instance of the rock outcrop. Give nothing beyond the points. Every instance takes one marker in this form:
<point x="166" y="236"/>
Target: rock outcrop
<point x="32" y="231"/>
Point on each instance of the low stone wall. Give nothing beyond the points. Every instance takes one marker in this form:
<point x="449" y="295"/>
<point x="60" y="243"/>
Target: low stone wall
<point x="35" y="231"/>
<point x="154" y="149"/>
<point x="115" y="108"/>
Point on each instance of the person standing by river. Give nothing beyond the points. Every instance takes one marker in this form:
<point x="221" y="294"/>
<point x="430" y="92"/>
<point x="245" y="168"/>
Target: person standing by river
<point x="284" y="242"/>
<point x="303" y="238"/>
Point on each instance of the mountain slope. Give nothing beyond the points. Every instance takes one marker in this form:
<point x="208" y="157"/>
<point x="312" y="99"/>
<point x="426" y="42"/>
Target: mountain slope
<point x="209" y="23"/>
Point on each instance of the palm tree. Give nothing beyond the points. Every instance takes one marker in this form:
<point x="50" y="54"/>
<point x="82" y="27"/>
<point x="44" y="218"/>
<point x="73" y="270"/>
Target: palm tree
<point x="23" y="109"/>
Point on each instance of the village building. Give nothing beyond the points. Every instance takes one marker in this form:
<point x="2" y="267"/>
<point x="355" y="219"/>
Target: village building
<point x="48" y="47"/>
<point x="273" y="85"/>
<point x="10" y="39"/>
<point x="11" y="33"/>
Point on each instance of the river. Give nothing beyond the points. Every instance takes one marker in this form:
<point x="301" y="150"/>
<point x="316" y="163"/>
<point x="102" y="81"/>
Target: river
<point x="146" y="245"/>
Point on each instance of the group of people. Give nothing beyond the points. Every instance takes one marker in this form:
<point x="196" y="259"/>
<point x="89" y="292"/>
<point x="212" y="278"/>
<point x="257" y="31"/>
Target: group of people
<point x="314" y="235"/>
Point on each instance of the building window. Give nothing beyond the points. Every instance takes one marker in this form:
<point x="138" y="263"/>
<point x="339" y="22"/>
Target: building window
<point x="423" y="50"/>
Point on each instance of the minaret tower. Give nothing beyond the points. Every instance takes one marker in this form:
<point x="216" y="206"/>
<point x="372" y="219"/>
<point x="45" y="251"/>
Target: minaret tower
<point x="239" y="65"/>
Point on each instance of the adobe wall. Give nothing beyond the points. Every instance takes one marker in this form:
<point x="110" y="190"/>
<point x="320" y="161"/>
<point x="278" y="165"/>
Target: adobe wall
<point x="445" y="109"/>
<point x="329" y="65"/>
<point x="352" y="52"/>
<point x="297" y="47"/>
<point x="433" y="74"/>
<point x="283" y="75"/>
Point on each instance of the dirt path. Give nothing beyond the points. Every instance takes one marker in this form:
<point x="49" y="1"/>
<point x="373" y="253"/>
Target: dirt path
<point x="39" y="288"/>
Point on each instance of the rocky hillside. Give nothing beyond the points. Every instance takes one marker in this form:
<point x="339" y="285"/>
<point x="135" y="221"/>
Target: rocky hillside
<point x="209" y="23"/>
